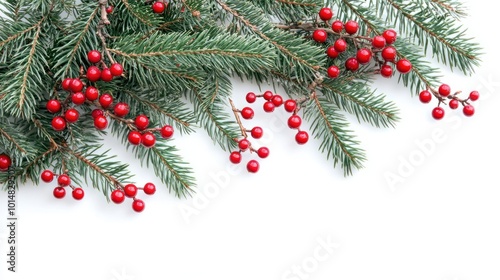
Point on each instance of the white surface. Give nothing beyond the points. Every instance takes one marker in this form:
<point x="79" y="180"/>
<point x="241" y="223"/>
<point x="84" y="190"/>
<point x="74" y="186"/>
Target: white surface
<point x="442" y="222"/>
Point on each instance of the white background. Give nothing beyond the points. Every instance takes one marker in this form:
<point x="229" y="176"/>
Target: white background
<point x="441" y="222"/>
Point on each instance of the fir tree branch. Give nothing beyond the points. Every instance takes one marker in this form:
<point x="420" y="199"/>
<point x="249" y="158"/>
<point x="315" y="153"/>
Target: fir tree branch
<point x="142" y="18"/>
<point x="12" y="140"/>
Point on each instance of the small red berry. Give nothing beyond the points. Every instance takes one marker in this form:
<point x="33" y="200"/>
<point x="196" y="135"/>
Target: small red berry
<point x="320" y="35"/>
<point x="138" y="205"/>
<point x="331" y="52"/>
<point x="253" y="166"/>
<point x="97" y="112"/>
<point x="290" y="105"/>
<point x="109" y="9"/>
<point x="64" y="180"/>
<point x="53" y="106"/>
<point x="444" y="90"/>
<point x="333" y="71"/>
<point x="101" y="122"/>
<point x="76" y="85"/>
<point x="268" y="106"/>
<point x="117" y="196"/>
<point x="158" y="7"/>
<point x="47" y="176"/>
<point x="337" y="26"/>
<point x="386" y="71"/>
<point x="58" y="123"/>
<point x="106" y="75"/>
<point x="378" y="42"/>
<point x="425" y="96"/>
<point x="294" y="121"/>
<point x="121" y="109"/>
<point x="130" y="190"/>
<point x="247" y="113"/>
<point x="468" y="110"/>
<point x="235" y="157"/>
<point x="438" y="113"/>
<point x="268" y="95"/>
<point x="66" y="84"/>
<point x="78" y="193"/>
<point x="141" y="122"/>
<point x="325" y="14"/>
<point x="116" y="69"/>
<point x="134" y="137"/>
<point x="340" y="45"/>
<point x="105" y="100"/>
<point x="364" y="56"/>
<point x="93" y="73"/>
<point x="5" y="162"/>
<point x="352" y="64"/>
<point x="351" y="27"/>
<point x="59" y="192"/>
<point x="149" y="188"/>
<point x="277" y="100"/>
<point x="263" y="152"/>
<point x="389" y="53"/>
<point x="257" y="132"/>
<point x="251" y="97"/>
<point x="71" y="115"/>
<point x="167" y="131"/>
<point x="474" y="95"/>
<point x="91" y="93"/>
<point x="301" y="137"/>
<point x="243" y="144"/>
<point x="453" y="104"/>
<point x="403" y="66"/>
<point x="94" y="56"/>
<point x="78" y="98"/>
<point x="148" y="139"/>
<point x="390" y="36"/>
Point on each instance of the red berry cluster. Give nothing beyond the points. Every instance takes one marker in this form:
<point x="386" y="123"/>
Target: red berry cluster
<point x="130" y="191"/>
<point x="159" y="6"/>
<point x="63" y="180"/>
<point x="442" y="94"/>
<point x="5" y="162"/>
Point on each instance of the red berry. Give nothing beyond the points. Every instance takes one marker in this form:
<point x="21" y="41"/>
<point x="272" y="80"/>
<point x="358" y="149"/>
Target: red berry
<point x="277" y="100"/>
<point x="71" y="115"/>
<point x="364" y="56"/>
<point x="130" y="190"/>
<point x="91" y="93"/>
<point x="253" y="166"/>
<point x="351" y="27"/>
<point x="468" y="110"/>
<point x="425" y="96"/>
<point x="148" y="139"/>
<point x="340" y="45"/>
<point x="149" y="188"/>
<point x="134" y="137"/>
<point x="331" y="52"/>
<point x="257" y="132"/>
<point x="378" y="42"/>
<point x="247" y="113"/>
<point x="97" y="112"/>
<point x="167" y="131"/>
<point x="337" y="26"/>
<point x="444" y="90"/>
<point x="121" y="109"/>
<point x="94" y="56"/>
<point x="100" y="122"/>
<point x="93" y="74"/>
<point x="106" y="75"/>
<point x="474" y="95"/>
<point x="78" y="98"/>
<point x="47" y="176"/>
<point x="117" y="196"/>
<point x="352" y="64"/>
<point x="105" y="100"/>
<point x="301" y="137"/>
<point x="263" y="152"/>
<point x="116" y="69"/>
<point x="64" y="180"/>
<point x="320" y="35"/>
<point x="53" y="106"/>
<point x="158" y="7"/>
<point x="76" y="85"/>
<point x="235" y="157"/>
<point x="66" y="84"/>
<point x="109" y="9"/>
<point x="438" y="113"/>
<point x="251" y="97"/>
<point x="58" y="123"/>
<point x="268" y="95"/>
<point x="389" y="53"/>
<point x="386" y="71"/>
<point x="453" y="104"/>
<point x="333" y="71"/>
<point x="243" y="144"/>
<point x="5" y="162"/>
<point x="290" y="105"/>
<point x="268" y="106"/>
<point x="78" y="193"/>
<point x="59" y="192"/>
<point x="138" y="205"/>
<point x="141" y="122"/>
<point x="325" y="14"/>
<point x="294" y="121"/>
<point x="403" y="66"/>
<point x="390" y="36"/>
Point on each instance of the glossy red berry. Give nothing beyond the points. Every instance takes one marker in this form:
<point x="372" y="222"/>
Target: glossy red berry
<point x="78" y="193"/>
<point x="47" y="176"/>
<point x="59" y="192"/>
<point x="117" y="196"/>
<point x="148" y="139"/>
<point x="301" y="137"/>
<point x="121" y="109"/>
<point x="66" y="84"/>
<point x="474" y="95"/>
<point x="94" y="56"/>
<point x="167" y="131"/>
<point x="438" y="113"/>
<point x="5" y="162"/>
<point x="251" y="97"/>
<point x="64" y="180"/>
<point x="58" y="123"/>
<point x="97" y="112"/>
<point x="93" y="74"/>
<point x="320" y="35"/>
<point x="253" y="166"/>
<point x="71" y="115"/>
<point x="78" y="98"/>
<point x="235" y="157"/>
<point x="331" y="52"/>
<point x="149" y="188"/>
<point x="257" y="132"/>
<point x="352" y="64"/>
<point x="141" y="122"/>
<point x="268" y="95"/>
<point x="158" y="7"/>
<point x="340" y="45"/>
<point x="263" y="152"/>
<point x="333" y="71"/>
<point x="130" y="190"/>
<point x="351" y="27"/>
<point x="378" y="42"/>
<point x="268" y="106"/>
<point x="101" y="122"/>
<point x="325" y="14"/>
<point x="444" y="90"/>
<point x="109" y="9"/>
<point x="53" y="106"/>
<point x="389" y="53"/>
<point x="247" y="113"/>
<point x="468" y="110"/>
<point x="290" y="105"/>
<point x="294" y="121"/>
<point x="403" y="66"/>
<point x="390" y="36"/>
<point x="138" y="205"/>
<point x="337" y="26"/>
<point x="243" y="144"/>
<point x="364" y="56"/>
<point x="386" y="71"/>
<point x="105" y="100"/>
<point x="425" y="96"/>
<point x="91" y="93"/>
<point x="453" y="104"/>
<point x="106" y="75"/>
<point x="76" y="85"/>
<point x="277" y="100"/>
<point x="134" y="137"/>
<point x="116" y="69"/>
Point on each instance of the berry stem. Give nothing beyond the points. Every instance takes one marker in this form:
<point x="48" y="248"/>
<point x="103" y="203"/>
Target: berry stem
<point x="238" y="119"/>
<point x="100" y="28"/>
